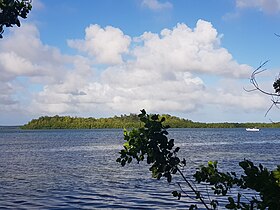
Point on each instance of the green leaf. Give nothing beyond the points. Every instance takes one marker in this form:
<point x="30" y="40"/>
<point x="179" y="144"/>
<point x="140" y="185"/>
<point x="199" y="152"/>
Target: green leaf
<point x="193" y="207"/>
<point x="169" y="177"/>
<point x="143" y="111"/>
<point x="184" y="162"/>
<point x="154" y="117"/>
<point x="174" y="171"/>
<point x="123" y="162"/>
<point x="175" y="193"/>
<point x="177" y="149"/>
<point x="214" y="203"/>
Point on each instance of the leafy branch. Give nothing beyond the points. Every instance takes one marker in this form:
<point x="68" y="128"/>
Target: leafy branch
<point x="150" y="142"/>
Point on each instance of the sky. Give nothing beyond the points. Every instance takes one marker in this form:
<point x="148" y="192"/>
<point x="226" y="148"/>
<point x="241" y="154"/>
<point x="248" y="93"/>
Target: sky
<point x="100" y="58"/>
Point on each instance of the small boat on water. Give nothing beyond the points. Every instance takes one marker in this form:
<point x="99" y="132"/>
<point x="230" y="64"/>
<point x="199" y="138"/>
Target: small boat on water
<point x="252" y="129"/>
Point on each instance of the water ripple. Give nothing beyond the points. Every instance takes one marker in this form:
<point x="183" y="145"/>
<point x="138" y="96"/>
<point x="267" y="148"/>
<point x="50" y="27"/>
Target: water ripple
<point x="76" y="169"/>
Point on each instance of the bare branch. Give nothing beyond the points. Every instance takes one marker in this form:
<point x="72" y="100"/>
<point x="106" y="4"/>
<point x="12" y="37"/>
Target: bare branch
<point x="251" y="90"/>
<point x="269" y="109"/>
<point x="274" y="96"/>
<point x="186" y="194"/>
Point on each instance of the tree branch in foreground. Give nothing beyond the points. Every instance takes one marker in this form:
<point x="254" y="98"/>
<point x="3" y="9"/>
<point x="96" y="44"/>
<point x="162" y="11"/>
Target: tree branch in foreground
<point x="276" y="85"/>
<point x="150" y="142"/>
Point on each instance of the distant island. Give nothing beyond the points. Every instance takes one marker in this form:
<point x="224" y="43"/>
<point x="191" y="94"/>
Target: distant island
<point x="129" y="121"/>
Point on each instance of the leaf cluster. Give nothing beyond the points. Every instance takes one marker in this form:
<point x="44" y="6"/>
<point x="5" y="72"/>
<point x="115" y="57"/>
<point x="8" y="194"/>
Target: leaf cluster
<point x="256" y="178"/>
<point x="276" y="86"/>
<point x="221" y="182"/>
<point x="11" y="10"/>
<point x="150" y="142"/>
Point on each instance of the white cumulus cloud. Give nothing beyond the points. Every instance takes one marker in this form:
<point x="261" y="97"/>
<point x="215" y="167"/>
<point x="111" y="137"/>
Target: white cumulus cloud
<point x="27" y="65"/>
<point x="184" y="49"/>
<point x="106" y="45"/>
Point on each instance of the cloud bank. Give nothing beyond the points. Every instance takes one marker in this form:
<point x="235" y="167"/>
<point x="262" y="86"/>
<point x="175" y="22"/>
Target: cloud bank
<point x="115" y="73"/>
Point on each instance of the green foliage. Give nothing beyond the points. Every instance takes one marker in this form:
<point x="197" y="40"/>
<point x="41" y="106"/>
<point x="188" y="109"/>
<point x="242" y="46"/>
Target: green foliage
<point x="128" y="121"/>
<point x="256" y="178"/>
<point x="276" y="174"/>
<point x="221" y="182"/>
<point x="150" y="143"/>
<point x="11" y="10"/>
<point x="67" y="122"/>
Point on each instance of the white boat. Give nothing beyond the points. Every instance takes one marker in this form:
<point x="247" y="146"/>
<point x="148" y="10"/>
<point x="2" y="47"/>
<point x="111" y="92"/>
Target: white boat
<point x="252" y="129"/>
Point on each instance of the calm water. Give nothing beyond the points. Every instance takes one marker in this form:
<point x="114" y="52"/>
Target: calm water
<point x="76" y="169"/>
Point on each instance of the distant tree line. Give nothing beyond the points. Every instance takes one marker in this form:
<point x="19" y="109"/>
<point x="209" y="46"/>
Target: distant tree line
<point x="128" y="121"/>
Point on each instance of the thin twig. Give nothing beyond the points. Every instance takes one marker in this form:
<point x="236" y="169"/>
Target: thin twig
<point x="198" y="195"/>
<point x="253" y="81"/>
<point x="184" y="191"/>
<point x="208" y="193"/>
<point x="269" y="109"/>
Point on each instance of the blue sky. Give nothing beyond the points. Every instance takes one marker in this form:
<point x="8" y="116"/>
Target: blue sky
<point x="102" y="58"/>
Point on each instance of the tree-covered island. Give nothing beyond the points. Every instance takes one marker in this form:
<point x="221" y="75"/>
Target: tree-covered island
<point x="129" y="121"/>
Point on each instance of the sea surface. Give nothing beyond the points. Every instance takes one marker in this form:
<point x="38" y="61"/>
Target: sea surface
<point x="77" y="169"/>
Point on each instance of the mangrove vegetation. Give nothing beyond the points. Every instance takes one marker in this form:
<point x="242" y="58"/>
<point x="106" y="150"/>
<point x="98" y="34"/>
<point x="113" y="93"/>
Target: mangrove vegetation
<point x="129" y="121"/>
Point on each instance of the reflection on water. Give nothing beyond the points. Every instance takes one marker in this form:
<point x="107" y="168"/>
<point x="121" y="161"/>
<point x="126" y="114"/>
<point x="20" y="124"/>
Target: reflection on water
<point x="76" y="169"/>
